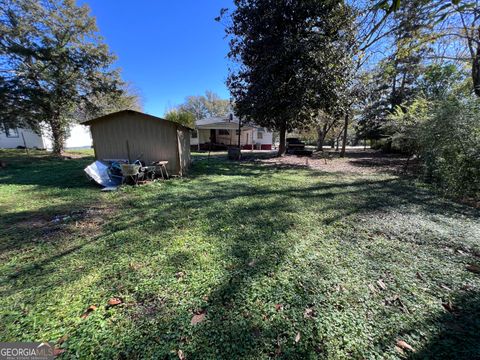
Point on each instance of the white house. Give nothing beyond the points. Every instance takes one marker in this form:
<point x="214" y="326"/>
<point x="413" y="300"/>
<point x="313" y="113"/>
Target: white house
<point x="222" y="132"/>
<point x="11" y="138"/>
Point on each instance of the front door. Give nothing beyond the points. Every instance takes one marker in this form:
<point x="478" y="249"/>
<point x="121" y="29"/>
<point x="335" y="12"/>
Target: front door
<point x="213" y="138"/>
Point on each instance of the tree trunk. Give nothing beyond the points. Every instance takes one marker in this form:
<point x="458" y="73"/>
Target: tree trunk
<point x="345" y="133"/>
<point x="282" y="146"/>
<point x="322" y="133"/>
<point x="58" y="136"/>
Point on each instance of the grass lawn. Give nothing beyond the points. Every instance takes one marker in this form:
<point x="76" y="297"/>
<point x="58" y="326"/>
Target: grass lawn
<point x="269" y="261"/>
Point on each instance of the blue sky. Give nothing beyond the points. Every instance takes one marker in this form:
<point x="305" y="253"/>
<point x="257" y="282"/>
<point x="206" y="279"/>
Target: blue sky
<point x="168" y="49"/>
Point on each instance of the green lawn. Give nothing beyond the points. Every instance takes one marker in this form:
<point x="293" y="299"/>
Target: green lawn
<point x="275" y="262"/>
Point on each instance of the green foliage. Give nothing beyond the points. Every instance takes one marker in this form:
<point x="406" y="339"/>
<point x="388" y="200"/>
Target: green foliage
<point x="442" y="128"/>
<point x="234" y="240"/>
<point x="105" y="103"/>
<point x="54" y="64"/>
<point x="208" y="105"/>
<point x="181" y="116"/>
<point x="450" y="146"/>
<point x="404" y="125"/>
<point x="294" y="61"/>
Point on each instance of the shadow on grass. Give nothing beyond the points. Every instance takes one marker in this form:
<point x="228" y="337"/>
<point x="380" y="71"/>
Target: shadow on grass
<point x="243" y="230"/>
<point x="47" y="172"/>
<point x="458" y="332"/>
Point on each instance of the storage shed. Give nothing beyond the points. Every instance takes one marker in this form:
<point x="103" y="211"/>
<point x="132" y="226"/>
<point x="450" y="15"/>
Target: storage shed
<point x="133" y="135"/>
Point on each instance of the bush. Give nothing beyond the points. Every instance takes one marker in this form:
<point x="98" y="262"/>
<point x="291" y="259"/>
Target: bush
<point x="449" y="145"/>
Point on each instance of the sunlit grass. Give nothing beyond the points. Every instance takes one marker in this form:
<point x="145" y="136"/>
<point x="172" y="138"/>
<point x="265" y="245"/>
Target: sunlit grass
<point x="265" y="253"/>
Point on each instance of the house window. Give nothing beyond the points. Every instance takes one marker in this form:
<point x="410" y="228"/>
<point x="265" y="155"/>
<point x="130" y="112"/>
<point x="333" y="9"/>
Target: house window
<point x="10" y="132"/>
<point x="223" y="132"/>
<point x="259" y="134"/>
<point x="194" y="134"/>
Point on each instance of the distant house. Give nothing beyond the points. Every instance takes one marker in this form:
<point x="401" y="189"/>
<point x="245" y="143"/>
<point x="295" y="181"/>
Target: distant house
<point x="222" y="132"/>
<point x="11" y="138"/>
<point x="132" y="135"/>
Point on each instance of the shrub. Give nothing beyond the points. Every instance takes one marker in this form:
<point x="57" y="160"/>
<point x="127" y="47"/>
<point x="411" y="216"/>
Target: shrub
<point x="449" y="145"/>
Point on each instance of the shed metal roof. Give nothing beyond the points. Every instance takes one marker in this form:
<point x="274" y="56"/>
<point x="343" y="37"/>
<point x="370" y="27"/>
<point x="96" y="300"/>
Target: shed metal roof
<point x="108" y="116"/>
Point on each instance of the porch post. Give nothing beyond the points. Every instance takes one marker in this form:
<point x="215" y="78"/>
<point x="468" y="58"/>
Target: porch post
<point x="198" y="139"/>
<point x="239" y="132"/>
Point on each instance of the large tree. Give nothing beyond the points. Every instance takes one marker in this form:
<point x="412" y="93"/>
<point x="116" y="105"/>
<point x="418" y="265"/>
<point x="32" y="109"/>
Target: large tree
<point x="454" y="27"/>
<point x="201" y="106"/>
<point x="181" y="116"/>
<point x="292" y="58"/>
<point x="53" y="63"/>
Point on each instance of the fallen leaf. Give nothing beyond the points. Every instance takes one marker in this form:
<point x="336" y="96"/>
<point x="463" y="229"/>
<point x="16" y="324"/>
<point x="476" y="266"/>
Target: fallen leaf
<point x="180" y="274"/>
<point x="404" y="346"/>
<point x="57" y="351"/>
<point x="197" y="318"/>
<point x="372" y="288"/>
<point x="309" y="313"/>
<point x="88" y="311"/>
<point x="114" y="301"/>
<point x="445" y="287"/>
<point x="473" y="268"/>
<point x="381" y="284"/>
<point x="297" y="338"/>
<point x="62" y="339"/>
<point x="252" y="263"/>
<point x="181" y="355"/>
<point x="134" y="266"/>
<point x="279" y="307"/>
<point x="396" y="301"/>
<point x="449" y="306"/>
<point x="399" y="349"/>
<point x="278" y="348"/>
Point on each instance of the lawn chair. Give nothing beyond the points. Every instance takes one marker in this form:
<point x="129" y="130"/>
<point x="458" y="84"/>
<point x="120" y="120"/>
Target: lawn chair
<point x="132" y="172"/>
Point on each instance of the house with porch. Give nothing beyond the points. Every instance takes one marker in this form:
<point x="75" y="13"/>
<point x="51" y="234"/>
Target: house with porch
<point x="217" y="133"/>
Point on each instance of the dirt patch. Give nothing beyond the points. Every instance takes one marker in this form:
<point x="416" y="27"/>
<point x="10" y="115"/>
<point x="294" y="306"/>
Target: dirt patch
<point x="355" y="161"/>
<point x="87" y="220"/>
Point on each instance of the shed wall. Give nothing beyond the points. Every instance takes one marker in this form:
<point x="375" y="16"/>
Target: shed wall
<point x="184" y="149"/>
<point x="148" y="139"/>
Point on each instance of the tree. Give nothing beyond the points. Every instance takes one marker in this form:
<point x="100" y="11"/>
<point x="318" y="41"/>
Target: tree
<point x="455" y="26"/>
<point x="208" y="105"/>
<point x="181" y="116"/>
<point x="292" y="59"/>
<point x="53" y="63"/>
<point x="105" y="103"/>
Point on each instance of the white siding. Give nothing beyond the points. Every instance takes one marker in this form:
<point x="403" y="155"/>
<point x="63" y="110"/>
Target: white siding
<point x="32" y="139"/>
<point x="79" y="137"/>
<point x="266" y="137"/>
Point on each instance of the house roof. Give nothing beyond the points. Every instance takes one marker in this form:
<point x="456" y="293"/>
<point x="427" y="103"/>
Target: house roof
<point x="219" y="122"/>
<point x="111" y="115"/>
